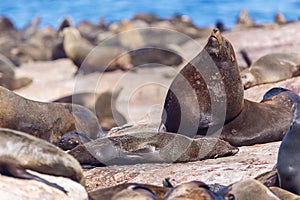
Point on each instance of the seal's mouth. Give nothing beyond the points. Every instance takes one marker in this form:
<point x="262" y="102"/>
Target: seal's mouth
<point x="213" y="41"/>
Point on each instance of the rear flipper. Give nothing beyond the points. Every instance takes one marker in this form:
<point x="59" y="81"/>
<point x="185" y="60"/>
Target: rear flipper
<point x="11" y="167"/>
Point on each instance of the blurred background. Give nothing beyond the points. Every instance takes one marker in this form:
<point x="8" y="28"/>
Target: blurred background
<point x="202" y="12"/>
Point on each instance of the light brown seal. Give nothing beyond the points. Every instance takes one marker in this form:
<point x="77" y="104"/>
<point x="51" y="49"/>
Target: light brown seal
<point x="89" y="58"/>
<point x="271" y="68"/>
<point x="108" y="193"/>
<point x="48" y="121"/>
<point x="190" y="191"/>
<point x="248" y="189"/>
<point x="21" y="151"/>
<point x="104" y="106"/>
<point x="203" y="101"/>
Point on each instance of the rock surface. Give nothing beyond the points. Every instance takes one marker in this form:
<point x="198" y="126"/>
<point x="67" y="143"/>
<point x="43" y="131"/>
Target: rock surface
<point x="19" y="189"/>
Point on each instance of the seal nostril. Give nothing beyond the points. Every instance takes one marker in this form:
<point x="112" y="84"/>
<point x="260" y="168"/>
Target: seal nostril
<point x="215" y="30"/>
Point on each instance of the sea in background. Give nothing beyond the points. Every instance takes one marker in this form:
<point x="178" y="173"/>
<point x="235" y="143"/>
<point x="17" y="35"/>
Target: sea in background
<point x="202" y="12"/>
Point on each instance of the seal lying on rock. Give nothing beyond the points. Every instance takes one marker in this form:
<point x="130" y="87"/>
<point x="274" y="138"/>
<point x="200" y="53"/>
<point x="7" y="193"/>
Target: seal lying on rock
<point x="21" y="151"/>
<point x="48" y="121"/>
<point x="108" y="193"/>
<point x="247" y="189"/>
<point x="207" y="98"/>
<point x="145" y="147"/>
<point x="271" y="68"/>
<point x="191" y="190"/>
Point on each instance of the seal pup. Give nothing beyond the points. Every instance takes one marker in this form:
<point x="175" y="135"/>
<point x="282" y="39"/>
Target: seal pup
<point x="135" y="192"/>
<point x="287" y="163"/>
<point x="150" y="147"/>
<point x="89" y="58"/>
<point x="271" y="68"/>
<point x="21" y="151"/>
<point x="214" y="104"/>
<point x="48" y="121"/>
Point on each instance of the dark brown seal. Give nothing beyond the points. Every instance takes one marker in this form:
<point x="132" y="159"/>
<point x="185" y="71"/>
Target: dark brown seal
<point x="288" y="164"/>
<point x="21" y="151"/>
<point x="210" y="80"/>
<point x="202" y="100"/>
<point x="48" y="121"/>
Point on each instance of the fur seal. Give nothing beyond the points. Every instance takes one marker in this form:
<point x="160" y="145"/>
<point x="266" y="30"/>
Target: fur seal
<point x="89" y="58"/>
<point x="189" y="105"/>
<point x="20" y="151"/>
<point x="190" y="191"/>
<point x="7" y="78"/>
<point x="284" y="194"/>
<point x="48" y="121"/>
<point x="247" y="189"/>
<point x="280" y="96"/>
<point x="287" y="162"/>
<point x="210" y="79"/>
<point x="147" y="147"/>
<point x="243" y="20"/>
<point x="104" y="106"/>
<point x="108" y="193"/>
<point x="271" y="68"/>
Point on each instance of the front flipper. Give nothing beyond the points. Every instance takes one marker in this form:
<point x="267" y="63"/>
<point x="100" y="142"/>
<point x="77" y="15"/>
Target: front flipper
<point x="11" y="167"/>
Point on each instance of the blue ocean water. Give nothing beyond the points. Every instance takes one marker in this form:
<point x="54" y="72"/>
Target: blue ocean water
<point x="202" y="12"/>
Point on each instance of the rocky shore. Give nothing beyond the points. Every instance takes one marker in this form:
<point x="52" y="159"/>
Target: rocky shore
<point x="36" y="54"/>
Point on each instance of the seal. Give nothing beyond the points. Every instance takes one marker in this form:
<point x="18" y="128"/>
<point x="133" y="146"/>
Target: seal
<point x="8" y="79"/>
<point x="271" y="68"/>
<point x="108" y="193"/>
<point x="189" y="104"/>
<point x="89" y="58"/>
<point x="190" y="190"/>
<point x="48" y="121"/>
<point x="287" y="164"/>
<point x="104" y="105"/>
<point x="211" y="78"/>
<point x="247" y="189"/>
<point x="280" y="96"/>
<point x="21" y="151"/>
<point x="150" y="147"/>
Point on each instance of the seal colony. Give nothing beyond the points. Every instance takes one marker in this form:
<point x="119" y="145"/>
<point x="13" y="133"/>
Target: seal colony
<point x="196" y="101"/>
